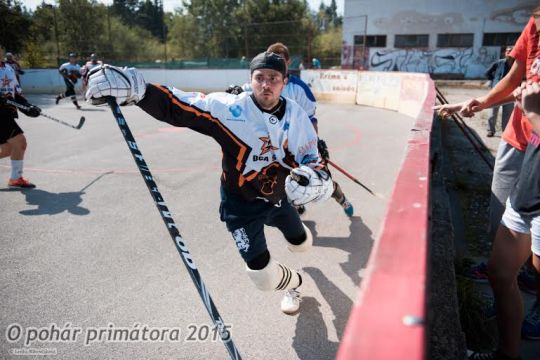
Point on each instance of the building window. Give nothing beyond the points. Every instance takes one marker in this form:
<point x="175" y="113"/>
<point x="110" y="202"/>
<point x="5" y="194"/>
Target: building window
<point x="411" y="41"/>
<point x="455" y="40"/>
<point x="500" y="39"/>
<point x="371" y="40"/>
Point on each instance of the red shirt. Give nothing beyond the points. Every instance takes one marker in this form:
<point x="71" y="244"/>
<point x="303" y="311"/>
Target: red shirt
<point x="527" y="52"/>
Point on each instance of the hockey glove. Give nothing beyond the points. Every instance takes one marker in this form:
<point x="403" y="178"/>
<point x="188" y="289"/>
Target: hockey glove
<point x="304" y="185"/>
<point x="234" y="89"/>
<point x="125" y="84"/>
<point x="323" y="149"/>
<point x="34" y="111"/>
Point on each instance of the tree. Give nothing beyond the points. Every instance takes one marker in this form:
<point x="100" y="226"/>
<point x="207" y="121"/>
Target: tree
<point x="14" y="25"/>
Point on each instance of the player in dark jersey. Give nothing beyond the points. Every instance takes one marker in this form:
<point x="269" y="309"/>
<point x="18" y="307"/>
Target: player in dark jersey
<point x="71" y="72"/>
<point x="270" y="158"/>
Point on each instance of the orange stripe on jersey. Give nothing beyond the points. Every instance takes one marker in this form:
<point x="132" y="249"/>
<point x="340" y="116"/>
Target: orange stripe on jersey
<point x="199" y="113"/>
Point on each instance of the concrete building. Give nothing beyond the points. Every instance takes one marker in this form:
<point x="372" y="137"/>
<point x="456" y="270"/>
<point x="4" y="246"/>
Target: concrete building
<point x="459" y="38"/>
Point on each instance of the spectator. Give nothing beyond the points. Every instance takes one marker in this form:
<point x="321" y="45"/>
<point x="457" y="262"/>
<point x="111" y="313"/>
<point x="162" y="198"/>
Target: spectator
<point x="316" y="64"/>
<point x="512" y="245"/>
<point x="495" y="73"/>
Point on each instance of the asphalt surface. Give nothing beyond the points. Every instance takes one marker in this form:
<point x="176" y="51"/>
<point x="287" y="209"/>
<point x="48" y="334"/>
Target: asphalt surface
<point x="87" y="253"/>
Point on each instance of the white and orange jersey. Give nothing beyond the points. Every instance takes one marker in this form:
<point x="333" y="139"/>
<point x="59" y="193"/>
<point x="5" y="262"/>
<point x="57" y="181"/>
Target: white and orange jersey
<point x="10" y="86"/>
<point x="259" y="148"/>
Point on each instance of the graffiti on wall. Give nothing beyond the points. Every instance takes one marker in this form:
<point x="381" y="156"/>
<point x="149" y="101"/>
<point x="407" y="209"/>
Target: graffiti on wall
<point x="466" y="61"/>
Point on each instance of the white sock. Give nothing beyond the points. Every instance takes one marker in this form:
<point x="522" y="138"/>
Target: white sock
<point x="16" y="169"/>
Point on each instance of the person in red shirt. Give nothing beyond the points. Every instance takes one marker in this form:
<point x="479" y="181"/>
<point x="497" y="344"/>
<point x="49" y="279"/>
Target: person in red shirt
<point x="511" y="248"/>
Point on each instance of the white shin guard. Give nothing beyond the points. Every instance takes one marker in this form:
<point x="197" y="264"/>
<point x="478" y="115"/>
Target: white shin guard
<point x="306" y="245"/>
<point x="274" y="276"/>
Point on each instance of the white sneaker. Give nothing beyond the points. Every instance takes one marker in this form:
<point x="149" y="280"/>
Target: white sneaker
<point x="290" y="302"/>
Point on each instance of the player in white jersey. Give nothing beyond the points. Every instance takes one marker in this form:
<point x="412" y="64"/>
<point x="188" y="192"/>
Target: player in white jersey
<point x="297" y="90"/>
<point x="270" y="159"/>
<point x="70" y="71"/>
<point x="85" y="69"/>
<point x="12" y="139"/>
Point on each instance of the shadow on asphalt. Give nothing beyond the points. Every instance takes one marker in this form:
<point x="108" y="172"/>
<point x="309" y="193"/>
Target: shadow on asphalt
<point x="49" y="203"/>
<point x="310" y="327"/>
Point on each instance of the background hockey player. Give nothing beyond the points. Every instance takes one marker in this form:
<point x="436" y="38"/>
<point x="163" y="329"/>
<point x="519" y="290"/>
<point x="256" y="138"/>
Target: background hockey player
<point x="71" y="72"/>
<point x="85" y="69"/>
<point x="12" y="139"/>
<point x="10" y="59"/>
<point x="270" y="158"/>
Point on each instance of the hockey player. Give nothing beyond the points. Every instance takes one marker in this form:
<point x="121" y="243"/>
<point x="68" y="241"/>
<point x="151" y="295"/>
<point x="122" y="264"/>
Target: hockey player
<point x="270" y="158"/>
<point x="12" y="139"/>
<point x="85" y="69"/>
<point x="70" y="71"/>
<point x="10" y="59"/>
<point x="297" y="90"/>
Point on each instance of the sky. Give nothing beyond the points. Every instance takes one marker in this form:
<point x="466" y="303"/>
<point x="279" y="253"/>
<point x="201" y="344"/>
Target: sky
<point x="171" y="4"/>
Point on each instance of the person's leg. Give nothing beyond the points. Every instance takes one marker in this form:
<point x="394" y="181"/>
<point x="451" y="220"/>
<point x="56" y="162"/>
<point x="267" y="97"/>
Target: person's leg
<point x="530" y="328"/>
<point x="506" y="113"/>
<point x="492" y="120"/>
<point x="287" y="220"/>
<point x="339" y="196"/>
<point x="71" y="93"/>
<point x="245" y="220"/>
<point x="5" y="150"/>
<point x="511" y="249"/>
<point x="507" y="167"/>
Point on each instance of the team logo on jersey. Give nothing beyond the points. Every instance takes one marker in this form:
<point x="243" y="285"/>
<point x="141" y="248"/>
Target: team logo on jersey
<point x="5" y="81"/>
<point x="241" y="239"/>
<point x="235" y="110"/>
<point x="273" y="120"/>
<point x="267" y="145"/>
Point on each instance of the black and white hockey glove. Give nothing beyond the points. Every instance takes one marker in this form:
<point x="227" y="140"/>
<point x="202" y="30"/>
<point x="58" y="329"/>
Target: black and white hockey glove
<point x="234" y="89"/>
<point x="125" y="84"/>
<point x="304" y="185"/>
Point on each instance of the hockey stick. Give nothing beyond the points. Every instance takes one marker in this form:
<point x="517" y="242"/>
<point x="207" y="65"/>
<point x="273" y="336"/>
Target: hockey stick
<point x="353" y="178"/>
<point x="173" y="230"/>
<point x="78" y="126"/>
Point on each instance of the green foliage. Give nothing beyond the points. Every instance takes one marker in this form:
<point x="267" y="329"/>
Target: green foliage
<point x="14" y="23"/>
<point x="139" y="30"/>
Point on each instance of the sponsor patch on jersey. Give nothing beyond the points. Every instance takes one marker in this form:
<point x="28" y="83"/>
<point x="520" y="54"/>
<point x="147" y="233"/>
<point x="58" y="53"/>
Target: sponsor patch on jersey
<point x="235" y="110"/>
<point x="241" y="239"/>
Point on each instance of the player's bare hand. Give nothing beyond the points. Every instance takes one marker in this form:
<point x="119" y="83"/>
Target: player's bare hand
<point x="530" y="99"/>
<point x="470" y="107"/>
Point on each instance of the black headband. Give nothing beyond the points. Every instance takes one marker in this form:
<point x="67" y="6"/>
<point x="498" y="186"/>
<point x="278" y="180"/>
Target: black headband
<point x="268" y="60"/>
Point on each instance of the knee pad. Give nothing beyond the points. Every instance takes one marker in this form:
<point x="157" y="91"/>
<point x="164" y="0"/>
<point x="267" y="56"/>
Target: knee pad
<point x="303" y="246"/>
<point x="274" y="276"/>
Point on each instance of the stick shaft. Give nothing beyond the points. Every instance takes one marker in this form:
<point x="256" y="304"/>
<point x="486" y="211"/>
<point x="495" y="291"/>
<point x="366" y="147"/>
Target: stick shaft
<point x="349" y="176"/>
<point x="173" y="231"/>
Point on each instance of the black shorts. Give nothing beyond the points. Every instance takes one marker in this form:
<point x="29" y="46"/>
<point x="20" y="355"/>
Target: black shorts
<point x="8" y="126"/>
<point x="246" y="220"/>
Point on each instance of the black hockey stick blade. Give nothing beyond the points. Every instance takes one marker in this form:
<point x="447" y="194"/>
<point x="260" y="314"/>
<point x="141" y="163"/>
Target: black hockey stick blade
<point x="23" y="107"/>
<point x="179" y="242"/>
<point x="81" y="123"/>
